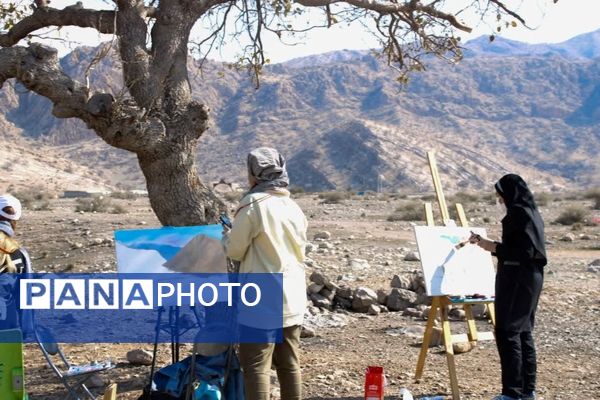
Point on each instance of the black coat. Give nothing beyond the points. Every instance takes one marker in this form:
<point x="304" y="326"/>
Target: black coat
<point x="521" y="258"/>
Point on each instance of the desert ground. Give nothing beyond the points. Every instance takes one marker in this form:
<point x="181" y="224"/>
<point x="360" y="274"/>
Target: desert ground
<point x="60" y="239"/>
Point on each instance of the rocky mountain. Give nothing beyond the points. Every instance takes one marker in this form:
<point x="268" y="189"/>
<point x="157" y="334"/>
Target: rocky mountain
<point x="342" y="120"/>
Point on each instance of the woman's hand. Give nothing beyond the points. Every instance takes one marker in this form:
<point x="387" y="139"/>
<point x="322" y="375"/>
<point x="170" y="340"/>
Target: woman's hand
<point x="487" y="245"/>
<point x="226" y="230"/>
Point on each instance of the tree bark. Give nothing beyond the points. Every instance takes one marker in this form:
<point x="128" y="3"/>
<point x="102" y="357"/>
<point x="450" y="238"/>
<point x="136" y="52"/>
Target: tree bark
<point x="177" y="195"/>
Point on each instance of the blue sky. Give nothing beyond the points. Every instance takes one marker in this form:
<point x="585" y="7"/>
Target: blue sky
<point x="553" y="23"/>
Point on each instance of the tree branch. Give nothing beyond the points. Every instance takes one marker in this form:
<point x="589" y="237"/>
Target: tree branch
<point x="388" y="7"/>
<point x="508" y="11"/>
<point x="103" y="21"/>
<point x="119" y="124"/>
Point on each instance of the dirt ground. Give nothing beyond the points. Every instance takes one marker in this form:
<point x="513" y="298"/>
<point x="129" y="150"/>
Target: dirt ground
<point x="333" y="362"/>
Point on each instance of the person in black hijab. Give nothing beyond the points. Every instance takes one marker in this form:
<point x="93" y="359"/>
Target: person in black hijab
<point x="521" y="260"/>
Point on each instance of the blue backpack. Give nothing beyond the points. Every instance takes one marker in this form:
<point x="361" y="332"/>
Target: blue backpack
<point x="216" y="378"/>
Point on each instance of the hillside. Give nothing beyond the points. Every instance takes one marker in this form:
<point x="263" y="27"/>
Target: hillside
<point x="342" y="120"/>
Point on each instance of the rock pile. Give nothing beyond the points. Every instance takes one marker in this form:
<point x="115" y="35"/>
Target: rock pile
<point x="406" y="294"/>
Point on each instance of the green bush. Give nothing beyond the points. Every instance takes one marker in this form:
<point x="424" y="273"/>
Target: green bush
<point x="572" y="215"/>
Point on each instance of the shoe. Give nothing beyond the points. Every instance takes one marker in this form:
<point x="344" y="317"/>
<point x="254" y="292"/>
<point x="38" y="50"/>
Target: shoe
<point x="529" y="396"/>
<point x="504" y="397"/>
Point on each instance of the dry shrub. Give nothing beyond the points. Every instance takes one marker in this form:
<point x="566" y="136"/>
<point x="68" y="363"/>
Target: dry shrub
<point x="233" y="196"/>
<point x="572" y="215"/>
<point x="98" y="204"/>
<point x="334" y="197"/>
<point x="124" y="195"/>
<point x="594" y="195"/>
<point x="35" y="198"/>
<point x="412" y="211"/>
<point x="542" y="199"/>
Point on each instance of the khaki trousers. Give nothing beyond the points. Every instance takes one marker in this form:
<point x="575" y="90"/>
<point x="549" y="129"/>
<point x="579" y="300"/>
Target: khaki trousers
<point x="257" y="358"/>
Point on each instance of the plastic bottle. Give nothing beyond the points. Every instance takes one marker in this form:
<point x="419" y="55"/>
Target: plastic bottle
<point x="405" y="394"/>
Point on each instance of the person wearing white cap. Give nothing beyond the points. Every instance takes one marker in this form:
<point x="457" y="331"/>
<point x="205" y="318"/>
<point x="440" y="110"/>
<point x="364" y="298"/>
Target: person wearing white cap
<point x="13" y="260"/>
<point x="13" y="257"/>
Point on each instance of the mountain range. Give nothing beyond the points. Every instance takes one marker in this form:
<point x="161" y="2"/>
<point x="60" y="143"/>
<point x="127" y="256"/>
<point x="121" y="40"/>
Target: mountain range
<point x="343" y="121"/>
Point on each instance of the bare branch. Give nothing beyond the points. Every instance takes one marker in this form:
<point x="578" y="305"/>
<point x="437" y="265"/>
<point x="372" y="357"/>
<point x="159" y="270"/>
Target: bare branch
<point x="103" y="21"/>
<point x="508" y="10"/>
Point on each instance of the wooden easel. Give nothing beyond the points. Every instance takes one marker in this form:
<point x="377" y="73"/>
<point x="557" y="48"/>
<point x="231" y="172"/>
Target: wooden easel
<point x="441" y="304"/>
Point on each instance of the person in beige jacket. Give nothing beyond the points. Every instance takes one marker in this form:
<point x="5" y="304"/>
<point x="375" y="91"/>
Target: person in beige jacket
<point x="269" y="235"/>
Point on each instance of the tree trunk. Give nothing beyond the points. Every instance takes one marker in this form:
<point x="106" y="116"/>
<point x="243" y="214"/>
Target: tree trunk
<point x="177" y="195"/>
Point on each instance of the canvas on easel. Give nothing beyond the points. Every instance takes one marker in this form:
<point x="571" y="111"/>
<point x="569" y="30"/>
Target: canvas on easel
<point x="438" y="253"/>
<point x="451" y="265"/>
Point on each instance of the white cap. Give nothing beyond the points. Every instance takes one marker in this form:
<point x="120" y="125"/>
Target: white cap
<point x="8" y="200"/>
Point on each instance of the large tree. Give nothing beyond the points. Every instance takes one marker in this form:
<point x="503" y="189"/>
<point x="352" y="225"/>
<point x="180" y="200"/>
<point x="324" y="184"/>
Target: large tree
<point x="159" y="120"/>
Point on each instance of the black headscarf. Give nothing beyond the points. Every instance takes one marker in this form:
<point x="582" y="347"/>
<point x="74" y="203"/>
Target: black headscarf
<point x="516" y="194"/>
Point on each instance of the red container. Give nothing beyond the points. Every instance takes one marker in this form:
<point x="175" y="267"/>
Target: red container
<point x="374" y="380"/>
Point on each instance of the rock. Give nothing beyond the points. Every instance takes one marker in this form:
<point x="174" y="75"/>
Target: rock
<point x="417" y="283"/>
<point x="401" y="282"/>
<point x="358" y="263"/>
<point x="416" y="331"/>
<point x="595" y="263"/>
<point x="373" y="310"/>
<point x="345" y="292"/>
<point x="458" y="313"/>
<point x="412" y="312"/>
<point x="325" y="245"/>
<point x="95" y="382"/>
<point x="318" y="278"/>
<point x="382" y="296"/>
<point x="479" y="311"/>
<point x="139" y="357"/>
<point x="328" y="294"/>
<point x="594" y="269"/>
<point x="345" y="304"/>
<point x="586" y="237"/>
<point x="331" y="286"/>
<point x="320" y="301"/>
<point x="463" y="347"/>
<point x="314" y="288"/>
<point x="307" y="332"/>
<point x="412" y="256"/>
<point x="77" y="246"/>
<point x="309" y="248"/>
<point x="569" y="237"/>
<point x="401" y="299"/>
<point x="97" y="241"/>
<point x="323" y="235"/>
<point x="363" y="298"/>
<point x="423" y="299"/>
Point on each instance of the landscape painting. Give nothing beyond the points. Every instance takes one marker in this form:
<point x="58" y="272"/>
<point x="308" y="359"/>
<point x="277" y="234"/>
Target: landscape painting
<point x="451" y="266"/>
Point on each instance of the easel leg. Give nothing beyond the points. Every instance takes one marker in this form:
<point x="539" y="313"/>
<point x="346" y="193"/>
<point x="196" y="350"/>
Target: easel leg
<point x="492" y="314"/>
<point x="427" y="337"/>
<point x="450" y="353"/>
<point x="472" y="328"/>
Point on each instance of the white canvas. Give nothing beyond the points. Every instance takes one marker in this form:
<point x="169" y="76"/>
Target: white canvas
<point x="449" y="271"/>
